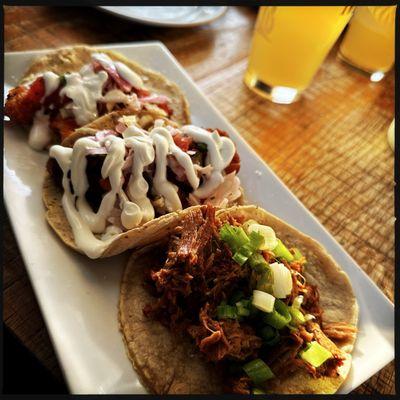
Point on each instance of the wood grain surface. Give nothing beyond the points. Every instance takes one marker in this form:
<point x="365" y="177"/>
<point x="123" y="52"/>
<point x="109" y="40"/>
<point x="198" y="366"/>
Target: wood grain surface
<point x="329" y="148"/>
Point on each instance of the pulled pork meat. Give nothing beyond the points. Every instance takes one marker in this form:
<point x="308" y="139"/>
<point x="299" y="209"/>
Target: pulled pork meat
<point x="224" y="339"/>
<point x="197" y="275"/>
<point x="199" y="269"/>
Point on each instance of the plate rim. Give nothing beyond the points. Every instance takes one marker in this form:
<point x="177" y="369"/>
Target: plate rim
<point x="154" y="22"/>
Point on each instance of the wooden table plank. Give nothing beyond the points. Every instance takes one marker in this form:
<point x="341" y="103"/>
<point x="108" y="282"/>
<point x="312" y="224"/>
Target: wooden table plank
<point x="330" y="148"/>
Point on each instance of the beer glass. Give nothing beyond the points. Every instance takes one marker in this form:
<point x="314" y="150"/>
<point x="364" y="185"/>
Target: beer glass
<point x="289" y="44"/>
<point x="369" y="41"/>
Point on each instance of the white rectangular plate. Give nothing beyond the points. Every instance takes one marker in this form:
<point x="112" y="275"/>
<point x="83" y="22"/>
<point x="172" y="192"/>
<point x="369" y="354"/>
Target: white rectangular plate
<point x="78" y="297"/>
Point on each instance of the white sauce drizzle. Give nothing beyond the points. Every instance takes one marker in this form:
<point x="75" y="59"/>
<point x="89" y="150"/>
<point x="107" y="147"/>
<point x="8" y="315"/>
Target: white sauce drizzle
<point x="40" y="134"/>
<point x="220" y="151"/>
<point x="130" y="76"/>
<point x="84" y="88"/>
<point x="51" y="82"/>
<point x="134" y="203"/>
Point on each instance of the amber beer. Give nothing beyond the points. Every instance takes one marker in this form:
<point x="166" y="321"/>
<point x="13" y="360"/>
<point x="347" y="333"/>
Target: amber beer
<point x="289" y="44"/>
<point x="369" y="41"/>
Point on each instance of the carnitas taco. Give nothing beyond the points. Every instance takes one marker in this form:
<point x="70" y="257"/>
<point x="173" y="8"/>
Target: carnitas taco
<point x="237" y="301"/>
<point x="119" y="186"/>
<point x="71" y="87"/>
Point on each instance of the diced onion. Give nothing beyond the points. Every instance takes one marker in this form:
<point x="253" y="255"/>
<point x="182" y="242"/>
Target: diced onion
<point x="270" y="241"/>
<point x="263" y="301"/>
<point x="315" y="354"/>
<point x="282" y="279"/>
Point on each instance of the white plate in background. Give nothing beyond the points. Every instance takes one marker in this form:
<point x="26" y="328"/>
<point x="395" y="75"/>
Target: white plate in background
<point x="172" y="16"/>
<point x="79" y="297"/>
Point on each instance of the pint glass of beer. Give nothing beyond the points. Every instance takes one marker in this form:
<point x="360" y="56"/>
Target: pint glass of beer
<point x="369" y="41"/>
<point x="289" y="45"/>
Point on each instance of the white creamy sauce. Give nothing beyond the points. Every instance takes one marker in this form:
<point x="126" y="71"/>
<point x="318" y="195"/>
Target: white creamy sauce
<point x="40" y="133"/>
<point x="92" y="231"/>
<point x="130" y="76"/>
<point x="220" y="151"/>
<point x="51" y="82"/>
<point x="84" y="88"/>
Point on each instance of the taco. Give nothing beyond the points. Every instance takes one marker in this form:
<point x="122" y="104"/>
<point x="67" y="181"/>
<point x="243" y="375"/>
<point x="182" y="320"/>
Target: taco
<point x="237" y="301"/>
<point x="118" y="187"/>
<point x="71" y="87"/>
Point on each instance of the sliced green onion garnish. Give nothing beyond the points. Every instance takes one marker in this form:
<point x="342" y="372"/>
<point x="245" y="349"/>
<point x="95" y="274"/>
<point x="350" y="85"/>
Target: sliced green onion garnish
<point x="240" y="258"/>
<point x="257" y="263"/>
<point x="264" y="283"/>
<point x="270" y="335"/>
<point x="226" y="311"/>
<point x="234" y="236"/>
<point x="258" y="391"/>
<point x="297" y="316"/>
<point x="269" y="238"/>
<point x="296" y="254"/>
<point x="246" y="250"/>
<point x="279" y="317"/>
<point x="242" y="308"/>
<point x="282" y="279"/>
<point x="282" y="251"/>
<point x="258" y="371"/>
<point x="315" y="354"/>
<point x="263" y="301"/>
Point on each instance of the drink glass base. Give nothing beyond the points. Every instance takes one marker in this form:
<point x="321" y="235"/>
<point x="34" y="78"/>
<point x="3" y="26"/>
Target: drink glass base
<point x="374" y="76"/>
<point x="276" y="94"/>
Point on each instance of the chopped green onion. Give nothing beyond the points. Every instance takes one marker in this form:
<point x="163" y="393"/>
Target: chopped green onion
<point x="268" y="234"/>
<point x="226" y="311"/>
<point x="234" y="236"/>
<point x="247" y="249"/>
<point x="242" y="308"/>
<point x="264" y="283"/>
<point x="280" y="315"/>
<point x="258" y="371"/>
<point x="263" y="301"/>
<point x="282" y="279"/>
<point x="297" y="316"/>
<point x="239" y="258"/>
<point x="258" y="391"/>
<point x="257" y="263"/>
<point x="309" y="317"/>
<point x="282" y="251"/>
<point x="270" y="335"/>
<point x="315" y="354"/>
<point x="296" y="254"/>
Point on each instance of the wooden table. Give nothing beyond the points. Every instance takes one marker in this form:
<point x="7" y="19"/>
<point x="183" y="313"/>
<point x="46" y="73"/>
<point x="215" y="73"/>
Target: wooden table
<point x="329" y="148"/>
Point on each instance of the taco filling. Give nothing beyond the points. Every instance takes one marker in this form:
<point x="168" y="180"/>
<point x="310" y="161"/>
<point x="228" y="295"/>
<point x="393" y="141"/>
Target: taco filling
<point x="55" y="105"/>
<point x="239" y="293"/>
<point x="120" y="179"/>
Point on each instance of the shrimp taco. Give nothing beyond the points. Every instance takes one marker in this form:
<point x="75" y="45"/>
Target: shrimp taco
<point x="71" y="87"/>
<point x="237" y="301"/>
<point x="121" y="181"/>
